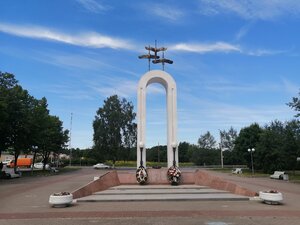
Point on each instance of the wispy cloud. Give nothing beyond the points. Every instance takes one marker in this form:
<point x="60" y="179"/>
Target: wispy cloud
<point x="244" y="30"/>
<point x="205" y="48"/>
<point x="291" y="88"/>
<point x="69" y="91"/>
<point x="216" y="115"/>
<point x="69" y="61"/>
<point x="93" y="6"/>
<point x="88" y="39"/>
<point x="232" y="87"/>
<point x="222" y="47"/>
<point x="251" y="9"/>
<point x="167" y="12"/>
<point x="263" y="52"/>
<point x="114" y="86"/>
<point x="123" y="88"/>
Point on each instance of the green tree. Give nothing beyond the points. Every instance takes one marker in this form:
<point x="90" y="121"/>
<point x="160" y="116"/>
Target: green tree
<point x="291" y="148"/>
<point x="54" y="137"/>
<point x="17" y="105"/>
<point x="295" y="104"/>
<point x="278" y="146"/>
<point x="39" y="117"/>
<point x="247" y="138"/>
<point x="268" y="151"/>
<point x="207" y="141"/>
<point x="157" y="152"/>
<point x="204" y="156"/>
<point x="25" y="123"/>
<point x="228" y="138"/>
<point x="7" y="83"/>
<point x="183" y="152"/>
<point x="114" y="129"/>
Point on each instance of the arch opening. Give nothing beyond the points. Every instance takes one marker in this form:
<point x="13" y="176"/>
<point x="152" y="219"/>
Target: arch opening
<point x="156" y="124"/>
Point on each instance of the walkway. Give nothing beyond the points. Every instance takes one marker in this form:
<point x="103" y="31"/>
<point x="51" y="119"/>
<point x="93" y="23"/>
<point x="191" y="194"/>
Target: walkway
<point x="25" y="201"/>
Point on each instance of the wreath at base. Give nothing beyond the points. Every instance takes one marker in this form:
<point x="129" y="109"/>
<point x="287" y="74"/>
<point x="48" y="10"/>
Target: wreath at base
<point x="141" y="175"/>
<point x="174" y="175"/>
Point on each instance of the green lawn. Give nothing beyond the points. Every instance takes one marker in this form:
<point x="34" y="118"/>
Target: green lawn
<point x="293" y="176"/>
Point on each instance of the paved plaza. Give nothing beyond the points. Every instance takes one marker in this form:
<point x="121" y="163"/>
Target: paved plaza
<point x="25" y="201"/>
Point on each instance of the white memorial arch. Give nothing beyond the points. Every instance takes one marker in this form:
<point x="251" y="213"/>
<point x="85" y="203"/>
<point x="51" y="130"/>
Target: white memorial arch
<point x="165" y="79"/>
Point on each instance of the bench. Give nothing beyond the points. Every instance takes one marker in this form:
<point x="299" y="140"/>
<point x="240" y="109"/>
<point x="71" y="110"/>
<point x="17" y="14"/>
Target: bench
<point x="237" y="171"/>
<point x="277" y="175"/>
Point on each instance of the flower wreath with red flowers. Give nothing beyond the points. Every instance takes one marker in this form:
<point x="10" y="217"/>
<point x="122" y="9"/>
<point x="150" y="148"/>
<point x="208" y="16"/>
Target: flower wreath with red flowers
<point x="174" y="175"/>
<point x="141" y="175"/>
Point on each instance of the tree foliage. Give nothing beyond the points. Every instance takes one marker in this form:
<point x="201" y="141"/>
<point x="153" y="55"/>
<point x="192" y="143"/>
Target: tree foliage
<point x="206" y="141"/>
<point x="204" y="157"/>
<point x="228" y="139"/>
<point x="247" y="139"/>
<point x="114" y="129"/>
<point x="183" y="152"/>
<point x="278" y="147"/>
<point x="295" y="104"/>
<point x="157" y="153"/>
<point x="24" y="121"/>
<point x="16" y="115"/>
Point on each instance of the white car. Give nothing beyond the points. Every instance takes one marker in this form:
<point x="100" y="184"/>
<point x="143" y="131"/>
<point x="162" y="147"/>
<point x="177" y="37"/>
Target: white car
<point x="40" y="165"/>
<point x="7" y="161"/>
<point x="101" y="166"/>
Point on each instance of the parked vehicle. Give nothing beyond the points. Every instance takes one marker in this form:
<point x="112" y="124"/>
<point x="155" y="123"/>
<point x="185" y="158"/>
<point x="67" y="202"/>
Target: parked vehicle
<point x="6" y="161"/>
<point x="9" y="175"/>
<point x="22" y="162"/>
<point x="277" y="175"/>
<point x="101" y="166"/>
<point x="40" y="165"/>
<point x="237" y="171"/>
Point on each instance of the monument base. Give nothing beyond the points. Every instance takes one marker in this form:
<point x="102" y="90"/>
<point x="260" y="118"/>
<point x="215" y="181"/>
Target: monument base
<point x="159" y="177"/>
<point x="156" y="176"/>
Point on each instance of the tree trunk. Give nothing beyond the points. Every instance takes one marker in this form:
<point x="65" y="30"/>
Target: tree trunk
<point x="16" y="161"/>
<point x="33" y="160"/>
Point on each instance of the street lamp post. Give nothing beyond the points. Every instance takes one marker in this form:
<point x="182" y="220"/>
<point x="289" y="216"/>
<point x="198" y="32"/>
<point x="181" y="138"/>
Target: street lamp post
<point x="251" y="150"/>
<point x="70" y="143"/>
<point x="222" y="157"/>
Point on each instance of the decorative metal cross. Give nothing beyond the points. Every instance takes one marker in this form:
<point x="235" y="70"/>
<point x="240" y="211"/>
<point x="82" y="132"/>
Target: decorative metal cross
<point x="155" y="57"/>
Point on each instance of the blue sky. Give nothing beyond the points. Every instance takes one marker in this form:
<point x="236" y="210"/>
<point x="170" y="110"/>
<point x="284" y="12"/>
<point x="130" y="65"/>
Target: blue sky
<point x="235" y="62"/>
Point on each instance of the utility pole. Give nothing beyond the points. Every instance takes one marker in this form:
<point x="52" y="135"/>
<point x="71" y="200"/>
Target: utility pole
<point x="158" y="159"/>
<point x="70" y="141"/>
<point x="221" y="148"/>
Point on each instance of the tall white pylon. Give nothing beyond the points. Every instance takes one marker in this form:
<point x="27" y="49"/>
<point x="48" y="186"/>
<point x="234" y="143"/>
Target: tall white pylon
<point x="165" y="79"/>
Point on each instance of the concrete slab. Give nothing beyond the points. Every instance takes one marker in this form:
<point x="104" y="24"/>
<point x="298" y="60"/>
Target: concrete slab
<point x="158" y="191"/>
<point x="201" y="178"/>
<point x="161" y="193"/>
<point x="139" y="187"/>
<point x="163" y="197"/>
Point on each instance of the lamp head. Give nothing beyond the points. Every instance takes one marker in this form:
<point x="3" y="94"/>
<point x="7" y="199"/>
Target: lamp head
<point x="141" y="144"/>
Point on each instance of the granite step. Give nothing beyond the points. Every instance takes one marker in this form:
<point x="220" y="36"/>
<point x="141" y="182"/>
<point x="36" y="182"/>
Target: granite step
<point x="161" y="193"/>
